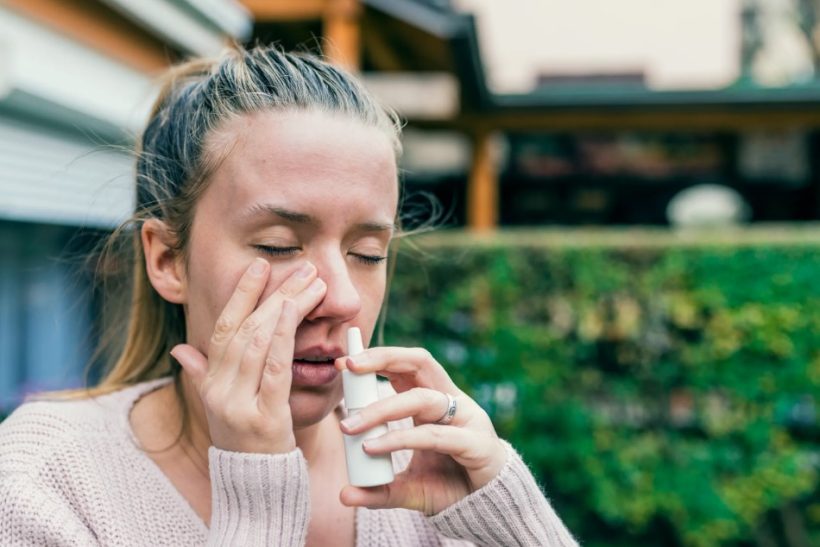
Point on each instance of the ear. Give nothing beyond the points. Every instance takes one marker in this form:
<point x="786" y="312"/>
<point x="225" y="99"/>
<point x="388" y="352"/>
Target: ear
<point x="164" y="266"/>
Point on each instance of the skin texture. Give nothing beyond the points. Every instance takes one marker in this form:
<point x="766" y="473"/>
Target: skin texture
<point x="323" y="188"/>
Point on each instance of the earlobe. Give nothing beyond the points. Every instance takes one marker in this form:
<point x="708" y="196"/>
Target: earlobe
<point x="163" y="264"/>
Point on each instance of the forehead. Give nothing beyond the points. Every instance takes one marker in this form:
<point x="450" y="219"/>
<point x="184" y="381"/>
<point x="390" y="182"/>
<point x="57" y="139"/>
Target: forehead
<point x="305" y="160"/>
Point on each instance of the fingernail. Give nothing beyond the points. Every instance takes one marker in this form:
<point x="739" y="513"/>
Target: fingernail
<point x="318" y="285"/>
<point x="304" y="270"/>
<point x="258" y="267"/>
<point x="352" y="422"/>
<point x="372" y="444"/>
<point x="358" y="362"/>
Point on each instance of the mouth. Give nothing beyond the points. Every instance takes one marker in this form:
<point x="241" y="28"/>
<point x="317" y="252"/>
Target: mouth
<point x="315" y="360"/>
<point x="314" y="367"/>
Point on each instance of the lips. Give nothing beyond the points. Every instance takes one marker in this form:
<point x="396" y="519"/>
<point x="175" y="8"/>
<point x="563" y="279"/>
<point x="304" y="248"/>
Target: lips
<point x="314" y="366"/>
<point x="318" y="354"/>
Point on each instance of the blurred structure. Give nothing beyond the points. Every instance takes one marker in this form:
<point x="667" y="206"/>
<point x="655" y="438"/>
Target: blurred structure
<point x="588" y="146"/>
<point x="581" y="148"/>
<point x="76" y="81"/>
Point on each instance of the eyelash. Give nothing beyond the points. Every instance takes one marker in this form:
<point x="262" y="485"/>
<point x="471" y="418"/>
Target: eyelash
<point x="277" y="251"/>
<point x="370" y="260"/>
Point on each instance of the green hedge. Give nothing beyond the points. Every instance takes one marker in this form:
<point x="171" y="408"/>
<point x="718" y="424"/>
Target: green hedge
<point x="664" y="387"/>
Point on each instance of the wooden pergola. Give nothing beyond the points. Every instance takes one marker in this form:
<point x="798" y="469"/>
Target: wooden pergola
<point x="404" y="36"/>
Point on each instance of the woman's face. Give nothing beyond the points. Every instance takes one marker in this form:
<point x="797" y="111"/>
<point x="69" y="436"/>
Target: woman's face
<point x="295" y="187"/>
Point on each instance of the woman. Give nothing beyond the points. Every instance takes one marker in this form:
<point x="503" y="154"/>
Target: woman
<point x="267" y="197"/>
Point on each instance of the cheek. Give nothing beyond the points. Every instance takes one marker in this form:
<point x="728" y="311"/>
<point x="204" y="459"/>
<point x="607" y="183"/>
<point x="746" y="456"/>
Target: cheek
<point x="210" y="289"/>
<point x="213" y="274"/>
<point x="372" y="291"/>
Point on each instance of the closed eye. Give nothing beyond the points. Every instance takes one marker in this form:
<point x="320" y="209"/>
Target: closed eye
<point x="370" y="260"/>
<point x="277" y="251"/>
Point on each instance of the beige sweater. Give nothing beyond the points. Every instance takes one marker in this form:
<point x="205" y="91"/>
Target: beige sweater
<point x="71" y="473"/>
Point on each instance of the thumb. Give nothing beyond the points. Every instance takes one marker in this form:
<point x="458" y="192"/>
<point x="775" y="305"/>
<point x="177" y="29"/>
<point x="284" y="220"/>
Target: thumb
<point x="192" y="361"/>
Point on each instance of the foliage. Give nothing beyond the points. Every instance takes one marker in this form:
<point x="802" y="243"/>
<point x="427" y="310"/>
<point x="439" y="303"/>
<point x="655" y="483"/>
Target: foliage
<point x="663" y="393"/>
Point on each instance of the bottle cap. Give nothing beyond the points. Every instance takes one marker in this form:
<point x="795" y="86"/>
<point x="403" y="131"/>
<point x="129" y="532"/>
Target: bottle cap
<point x="360" y="390"/>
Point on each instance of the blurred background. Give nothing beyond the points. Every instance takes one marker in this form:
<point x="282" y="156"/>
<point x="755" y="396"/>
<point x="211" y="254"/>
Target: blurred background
<point x="626" y="272"/>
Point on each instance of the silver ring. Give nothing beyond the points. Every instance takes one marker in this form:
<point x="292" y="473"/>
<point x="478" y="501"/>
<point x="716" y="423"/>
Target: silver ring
<point x="450" y="412"/>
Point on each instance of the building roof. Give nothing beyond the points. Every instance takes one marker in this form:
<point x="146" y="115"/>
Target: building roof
<point x="444" y="39"/>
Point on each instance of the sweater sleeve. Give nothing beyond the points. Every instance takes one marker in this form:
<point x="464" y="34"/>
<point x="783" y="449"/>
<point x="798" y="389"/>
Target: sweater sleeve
<point x="258" y="499"/>
<point x="31" y="515"/>
<point x="509" y="510"/>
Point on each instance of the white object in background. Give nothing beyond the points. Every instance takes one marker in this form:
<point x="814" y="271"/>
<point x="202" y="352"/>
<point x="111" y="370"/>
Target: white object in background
<point x="707" y="205"/>
<point x="45" y="74"/>
<point x="361" y="390"/>
<point x="54" y="177"/>
<point x="200" y="27"/>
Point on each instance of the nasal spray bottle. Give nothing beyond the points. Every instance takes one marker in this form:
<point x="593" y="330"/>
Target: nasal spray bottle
<point x="361" y="390"/>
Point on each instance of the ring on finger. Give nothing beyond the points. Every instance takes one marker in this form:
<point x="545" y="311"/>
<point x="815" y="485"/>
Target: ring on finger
<point x="450" y="412"/>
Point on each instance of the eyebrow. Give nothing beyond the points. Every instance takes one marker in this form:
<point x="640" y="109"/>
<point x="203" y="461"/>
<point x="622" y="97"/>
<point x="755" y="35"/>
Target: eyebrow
<point x="295" y="217"/>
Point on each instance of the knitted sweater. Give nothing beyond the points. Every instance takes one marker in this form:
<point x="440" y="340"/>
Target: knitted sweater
<point x="72" y="473"/>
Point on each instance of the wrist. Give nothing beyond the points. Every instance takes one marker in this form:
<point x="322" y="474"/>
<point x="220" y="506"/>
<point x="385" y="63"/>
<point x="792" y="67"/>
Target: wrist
<point x="493" y="464"/>
<point x="279" y="442"/>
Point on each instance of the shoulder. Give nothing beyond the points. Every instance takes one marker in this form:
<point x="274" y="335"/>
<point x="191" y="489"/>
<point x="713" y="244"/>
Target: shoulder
<point x="40" y="429"/>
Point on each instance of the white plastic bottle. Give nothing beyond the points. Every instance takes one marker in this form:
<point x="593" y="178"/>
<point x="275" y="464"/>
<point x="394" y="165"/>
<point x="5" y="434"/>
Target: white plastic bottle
<point x="361" y="390"/>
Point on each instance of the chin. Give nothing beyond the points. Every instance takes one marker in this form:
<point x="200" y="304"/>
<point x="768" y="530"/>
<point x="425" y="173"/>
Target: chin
<point x="308" y="408"/>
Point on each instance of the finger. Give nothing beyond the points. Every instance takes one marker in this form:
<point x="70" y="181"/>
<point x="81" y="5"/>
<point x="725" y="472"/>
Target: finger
<point x="270" y="349"/>
<point x="307" y="300"/>
<point x="422" y="404"/>
<point x="459" y="443"/>
<point x="392" y="362"/>
<point x="408" y="494"/>
<point x="240" y="304"/>
<point x="246" y="375"/>
<point x="274" y="387"/>
<point x="249" y="372"/>
<point x="192" y="361"/>
<point x="374" y="497"/>
<point x="480" y="454"/>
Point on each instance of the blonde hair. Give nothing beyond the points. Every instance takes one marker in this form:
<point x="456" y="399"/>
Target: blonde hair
<point x="172" y="169"/>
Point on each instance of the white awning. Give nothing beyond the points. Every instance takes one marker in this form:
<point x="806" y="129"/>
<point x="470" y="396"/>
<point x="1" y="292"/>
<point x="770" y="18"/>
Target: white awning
<point x="45" y="74"/>
<point x="58" y="178"/>
<point x="197" y="26"/>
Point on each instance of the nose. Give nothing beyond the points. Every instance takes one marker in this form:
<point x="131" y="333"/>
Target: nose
<point x="342" y="301"/>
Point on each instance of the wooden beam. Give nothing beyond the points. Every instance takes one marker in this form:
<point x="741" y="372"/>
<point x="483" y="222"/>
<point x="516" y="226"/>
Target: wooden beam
<point x="591" y="120"/>
<point x="93" y="24"/>
<point x="342" y="33"/>
<point x="482" y="186"/>
<point x="663" y="120"/>
<point x="419" y="50"/>
<point x="266" y="11"/>
<point x="379" y="51"/>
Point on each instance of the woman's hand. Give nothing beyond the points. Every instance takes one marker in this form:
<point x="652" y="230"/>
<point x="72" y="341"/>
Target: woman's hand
<point x="245" y="380"/>
<point x="449" y="461"/>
